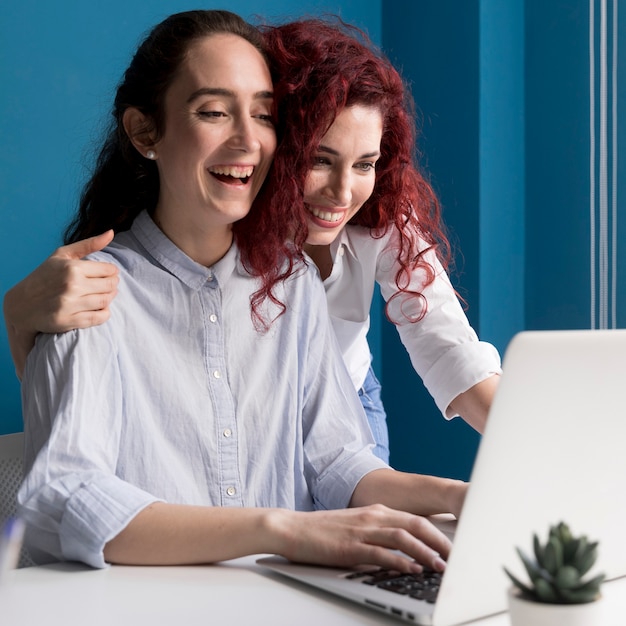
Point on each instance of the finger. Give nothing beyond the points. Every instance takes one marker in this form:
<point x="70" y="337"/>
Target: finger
<point x="428" y="533"/>
<point x="82" y="248"/>
<point x="95" y="302"/>
<point x="95" y="287"/>
<point x="418" y="526"/>
<point x="378" y="556"/>
<point x="99" y="269"/>
<point x="403" y="541"/>
<point x="87" y="319"/>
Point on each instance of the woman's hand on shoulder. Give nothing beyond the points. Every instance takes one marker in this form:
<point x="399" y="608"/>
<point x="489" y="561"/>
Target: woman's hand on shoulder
<point x="65" y="292"/>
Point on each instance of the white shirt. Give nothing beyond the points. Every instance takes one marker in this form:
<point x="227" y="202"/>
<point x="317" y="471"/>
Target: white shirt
<point x="444" y="349"/>
<point x="178" y="398"/>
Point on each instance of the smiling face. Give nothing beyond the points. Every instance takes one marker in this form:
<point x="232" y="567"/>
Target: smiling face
<point x="343" y="174"/>
<point x="218" y="142"/>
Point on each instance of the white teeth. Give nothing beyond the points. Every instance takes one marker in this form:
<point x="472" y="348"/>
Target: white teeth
<point x="235" y="171"/>
<point x="327" y="216"/>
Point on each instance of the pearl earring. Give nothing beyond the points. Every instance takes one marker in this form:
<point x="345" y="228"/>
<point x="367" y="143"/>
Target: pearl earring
<point x="151" y="154"/>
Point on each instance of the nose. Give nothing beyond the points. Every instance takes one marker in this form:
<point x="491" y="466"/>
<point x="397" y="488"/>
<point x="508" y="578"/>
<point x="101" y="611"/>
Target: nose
<point x="245" y="135"/>
<point x="339" y="188"/>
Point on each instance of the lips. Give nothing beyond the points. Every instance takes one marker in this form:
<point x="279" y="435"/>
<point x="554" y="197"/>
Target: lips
<point x="232" y="174"/>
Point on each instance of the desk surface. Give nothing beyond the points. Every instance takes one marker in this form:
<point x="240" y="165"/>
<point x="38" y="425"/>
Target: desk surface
<point x="235" y="592"/>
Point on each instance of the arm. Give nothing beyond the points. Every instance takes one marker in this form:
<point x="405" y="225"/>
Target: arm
<point x="415" y="493"/>
<point x="85" y="511"/>
<point x="473" y="405"/>
<point x="62" y="294"/>
<point x="168" y="534"/>
<point x="460" y="371"/>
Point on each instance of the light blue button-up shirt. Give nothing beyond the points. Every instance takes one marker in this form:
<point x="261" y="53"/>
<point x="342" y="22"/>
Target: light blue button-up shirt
<point x="179" y="398"/>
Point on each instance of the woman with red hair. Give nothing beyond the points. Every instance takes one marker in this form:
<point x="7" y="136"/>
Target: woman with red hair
<point x="346" y="165"/>
<point x="346" y="182"/>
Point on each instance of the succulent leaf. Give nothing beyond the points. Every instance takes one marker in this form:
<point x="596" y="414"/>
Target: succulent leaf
<point x="564" y="533"/>
<point x="585" y="561"/>
<point x="553" y="555"/>
<point x="556" y="574"/>
<point x="583" y="546"/>
<point x="567" y="577"/>
<point x="593" y="583"/>
<point x="570" y="549"/>
<point x="538" y="550"/>
<point x="571" y="596"/>
<point x="545" y="591"/>
<point x="534" y="571"/>
<point x="525" y="589"/>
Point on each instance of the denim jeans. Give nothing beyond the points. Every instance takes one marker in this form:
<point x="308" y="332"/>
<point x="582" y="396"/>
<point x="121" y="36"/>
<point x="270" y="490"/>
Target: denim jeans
<point x="376" y="416"/>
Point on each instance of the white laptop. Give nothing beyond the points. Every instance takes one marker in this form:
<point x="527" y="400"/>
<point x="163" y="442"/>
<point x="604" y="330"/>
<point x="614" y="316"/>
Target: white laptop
<point x="554" y="449"/>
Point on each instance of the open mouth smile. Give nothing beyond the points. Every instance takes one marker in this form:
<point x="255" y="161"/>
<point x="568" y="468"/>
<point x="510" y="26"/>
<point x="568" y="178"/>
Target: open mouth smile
<point x="326" y="216"/>
<point x="232" y="174"/>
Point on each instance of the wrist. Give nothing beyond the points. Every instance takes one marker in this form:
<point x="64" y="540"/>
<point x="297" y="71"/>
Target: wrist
<point x="21" y="339"/>
<point x="280" y="529"/>
<point x="455" y="495"/>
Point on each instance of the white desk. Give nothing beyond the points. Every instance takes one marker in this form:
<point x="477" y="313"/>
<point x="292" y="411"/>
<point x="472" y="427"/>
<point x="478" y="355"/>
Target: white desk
<point x="235" y="592"/>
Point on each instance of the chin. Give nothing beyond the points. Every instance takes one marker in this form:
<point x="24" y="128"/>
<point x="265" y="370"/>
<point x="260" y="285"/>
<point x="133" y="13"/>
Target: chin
<point x="323" y="237"/>
<point x="325" y="240"/>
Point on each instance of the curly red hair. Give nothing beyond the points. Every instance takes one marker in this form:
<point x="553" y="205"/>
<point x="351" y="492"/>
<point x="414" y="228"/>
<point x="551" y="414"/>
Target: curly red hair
<point x="320" y="67"/>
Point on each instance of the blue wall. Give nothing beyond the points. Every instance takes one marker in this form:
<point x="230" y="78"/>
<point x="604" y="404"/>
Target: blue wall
<point x="558" y="185"/>
<point x="437" y="50"/>
<point x="59" y="64"/>
<point x="503" y="89"/>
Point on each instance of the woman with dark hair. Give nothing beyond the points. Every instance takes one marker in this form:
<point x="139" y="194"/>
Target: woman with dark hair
<point x="364" y="213"/>
<point x="212" y="416"/>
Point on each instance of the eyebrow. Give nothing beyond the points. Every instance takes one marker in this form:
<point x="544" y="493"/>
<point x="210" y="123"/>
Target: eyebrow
<point x="227" y="93"/>
<point x="368" y="155"/>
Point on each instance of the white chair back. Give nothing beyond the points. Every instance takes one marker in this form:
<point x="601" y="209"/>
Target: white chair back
<point x="11" y="474"/>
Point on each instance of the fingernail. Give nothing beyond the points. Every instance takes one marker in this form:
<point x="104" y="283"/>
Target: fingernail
<point x="439" y="565"/>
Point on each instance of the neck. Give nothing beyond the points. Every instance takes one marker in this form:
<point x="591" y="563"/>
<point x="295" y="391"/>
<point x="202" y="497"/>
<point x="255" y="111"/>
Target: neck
<point x="205" y="246"/>
<point x="321" y="257"/>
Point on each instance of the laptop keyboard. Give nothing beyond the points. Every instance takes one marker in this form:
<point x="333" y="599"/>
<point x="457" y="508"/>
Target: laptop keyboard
<point x="424" y="586"/>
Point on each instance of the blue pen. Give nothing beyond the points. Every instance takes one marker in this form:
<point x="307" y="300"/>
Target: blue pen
<point x="10" y="544"/>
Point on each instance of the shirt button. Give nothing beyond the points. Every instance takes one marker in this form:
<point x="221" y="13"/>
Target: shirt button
<point x="228" y="432"/>
<point x="231" y="491"/>
<point x="213" y="317"/>
<point x="217" y="374"/>
<point x="341" y="251"/>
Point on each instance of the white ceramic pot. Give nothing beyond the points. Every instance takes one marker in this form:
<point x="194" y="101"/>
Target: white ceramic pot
<point x="526" y="613"/>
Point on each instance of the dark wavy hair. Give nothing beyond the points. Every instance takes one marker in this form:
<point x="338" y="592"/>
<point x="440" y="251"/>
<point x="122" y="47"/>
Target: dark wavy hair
<point x="124" y="183"/>
<point x="320" y="67"/>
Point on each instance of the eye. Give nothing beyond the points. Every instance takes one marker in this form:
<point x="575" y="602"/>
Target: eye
<point x="265" y="117"/>
<point x="366" y="166"/>
<point x="211" y="114"/>
<point x="320" y="160"/>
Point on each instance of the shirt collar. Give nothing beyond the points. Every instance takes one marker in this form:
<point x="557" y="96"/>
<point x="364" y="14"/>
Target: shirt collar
<point x="175" y="261"/>
<point x="342" y="240"/>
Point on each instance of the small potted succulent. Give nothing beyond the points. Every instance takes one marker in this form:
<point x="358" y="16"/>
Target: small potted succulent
<point x="557" y="592"/>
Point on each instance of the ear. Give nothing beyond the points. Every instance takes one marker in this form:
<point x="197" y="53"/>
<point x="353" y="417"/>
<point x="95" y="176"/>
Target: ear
<point x="139" y="128"/>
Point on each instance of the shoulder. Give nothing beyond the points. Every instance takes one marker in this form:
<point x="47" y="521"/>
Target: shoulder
<point x="367" y="242"/>
<point x="123" y="251"/>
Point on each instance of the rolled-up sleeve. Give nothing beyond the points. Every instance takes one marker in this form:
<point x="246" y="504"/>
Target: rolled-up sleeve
<point x="71" y="499"/>
<point x="444" y="349"/>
